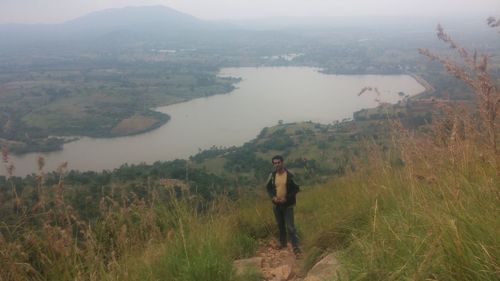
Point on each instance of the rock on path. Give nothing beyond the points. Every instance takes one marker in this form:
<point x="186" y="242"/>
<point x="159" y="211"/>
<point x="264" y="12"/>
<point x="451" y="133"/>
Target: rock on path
<point x="275" y="265"/>
<point x="282" y="265"/>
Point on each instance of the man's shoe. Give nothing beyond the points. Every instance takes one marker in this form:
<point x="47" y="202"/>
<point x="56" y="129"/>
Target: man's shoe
<point x="281" y="247"/>
<point x="297" y="252"/>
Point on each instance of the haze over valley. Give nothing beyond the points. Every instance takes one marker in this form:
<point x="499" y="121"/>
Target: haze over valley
<point x="186" y="139"/>
<point x="101" y="75"/>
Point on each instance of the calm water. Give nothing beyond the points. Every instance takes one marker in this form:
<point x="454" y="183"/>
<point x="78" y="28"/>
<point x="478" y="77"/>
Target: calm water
<point x="263" y="97"/>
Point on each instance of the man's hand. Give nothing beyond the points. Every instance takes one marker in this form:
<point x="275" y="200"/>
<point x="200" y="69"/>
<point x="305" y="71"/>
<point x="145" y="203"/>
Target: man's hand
<point x="278" y="201"/>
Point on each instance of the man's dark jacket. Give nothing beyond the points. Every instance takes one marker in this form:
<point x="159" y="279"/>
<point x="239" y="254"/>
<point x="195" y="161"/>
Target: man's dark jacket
<point x="291" y="188"/>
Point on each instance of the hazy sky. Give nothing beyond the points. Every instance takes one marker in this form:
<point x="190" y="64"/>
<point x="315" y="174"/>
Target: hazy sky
<point x="54" y="11"/>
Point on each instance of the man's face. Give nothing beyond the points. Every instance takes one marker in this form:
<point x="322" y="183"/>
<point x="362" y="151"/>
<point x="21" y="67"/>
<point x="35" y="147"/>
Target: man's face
<point x="278" y="165"/>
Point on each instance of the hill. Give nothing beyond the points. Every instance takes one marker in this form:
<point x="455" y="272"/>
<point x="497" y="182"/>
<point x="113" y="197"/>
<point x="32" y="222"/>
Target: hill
<point x="134" y="16"/>
<point x="131" y="21"/>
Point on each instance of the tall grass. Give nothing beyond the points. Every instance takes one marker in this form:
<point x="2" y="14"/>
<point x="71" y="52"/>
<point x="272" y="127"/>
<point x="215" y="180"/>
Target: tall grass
<point x="432" y="217"/>
<point x="131" y="238"/>
<point x="42" y="237"/>
<point x="391" y="225"/>
<point x="201" y="246"/>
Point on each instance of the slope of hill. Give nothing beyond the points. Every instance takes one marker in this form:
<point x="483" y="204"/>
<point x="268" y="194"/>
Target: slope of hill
<point x="129" y="21"/>
<point x="410" y="210"/>
<point x="151" y="15"/>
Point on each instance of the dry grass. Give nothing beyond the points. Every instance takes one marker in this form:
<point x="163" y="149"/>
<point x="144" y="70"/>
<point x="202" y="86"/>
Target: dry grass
<point x="421" y="206"/>
<point x="42" y="237"/>
<point x="473" y="70"/>
<point x="130" y="237"/>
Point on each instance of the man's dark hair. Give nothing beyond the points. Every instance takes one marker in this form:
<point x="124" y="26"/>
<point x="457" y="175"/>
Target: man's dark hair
<point x="277" y="157"/>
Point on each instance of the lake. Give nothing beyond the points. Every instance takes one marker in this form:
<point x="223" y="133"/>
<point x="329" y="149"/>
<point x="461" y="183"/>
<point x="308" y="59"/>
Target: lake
<point x="264" y="96"/>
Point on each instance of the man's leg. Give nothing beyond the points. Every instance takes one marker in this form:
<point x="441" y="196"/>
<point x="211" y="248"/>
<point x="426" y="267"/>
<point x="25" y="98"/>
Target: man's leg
<point x="279" y="214"/>
<point x="290" y="227"/>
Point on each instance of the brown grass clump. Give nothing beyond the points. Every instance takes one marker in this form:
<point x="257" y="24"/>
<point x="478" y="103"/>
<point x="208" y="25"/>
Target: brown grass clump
<point x="42" y="237"/>
<point x="493" y="22"/>
<point x="483" y="129"/>
<point x="419" y="208"/>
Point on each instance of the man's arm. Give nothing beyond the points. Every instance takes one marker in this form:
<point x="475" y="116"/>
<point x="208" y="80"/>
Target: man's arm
<point x="293" y="188"/>
<point x="269" y="187"/>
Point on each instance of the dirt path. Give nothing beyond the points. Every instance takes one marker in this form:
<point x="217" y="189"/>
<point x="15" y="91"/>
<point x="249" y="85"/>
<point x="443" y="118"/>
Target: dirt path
<point x="278" y="265"/>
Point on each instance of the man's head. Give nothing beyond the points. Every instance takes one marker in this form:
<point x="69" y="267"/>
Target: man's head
<point x="277" y="163"/>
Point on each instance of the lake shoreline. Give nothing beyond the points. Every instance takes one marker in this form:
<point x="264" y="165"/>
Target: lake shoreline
<point x="164" y="118"/>
<point x="250" y="101"/>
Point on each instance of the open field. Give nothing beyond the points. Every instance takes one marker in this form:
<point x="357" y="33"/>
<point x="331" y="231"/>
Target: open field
<point x="98" y="102"/>
<point x="133" y="125"/>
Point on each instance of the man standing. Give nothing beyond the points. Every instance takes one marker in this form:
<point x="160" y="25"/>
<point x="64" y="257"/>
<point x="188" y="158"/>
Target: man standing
<point x="282" y="189"/>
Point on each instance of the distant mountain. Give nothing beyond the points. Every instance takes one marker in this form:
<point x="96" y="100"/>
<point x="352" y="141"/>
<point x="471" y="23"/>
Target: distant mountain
<point x="158" y="16"/>
<point x="130" y="22"/>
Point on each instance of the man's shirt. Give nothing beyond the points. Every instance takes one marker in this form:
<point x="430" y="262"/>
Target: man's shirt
<point x="280" y="181"/>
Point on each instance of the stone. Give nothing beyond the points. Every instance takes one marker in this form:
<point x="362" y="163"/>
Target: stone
<point x="325" y="269"/>
<point x="245" y="265"/>
<point x="282" y="273"/>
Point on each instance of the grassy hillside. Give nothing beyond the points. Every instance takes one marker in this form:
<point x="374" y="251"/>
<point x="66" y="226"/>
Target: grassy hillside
<point x="431" y="218"/>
